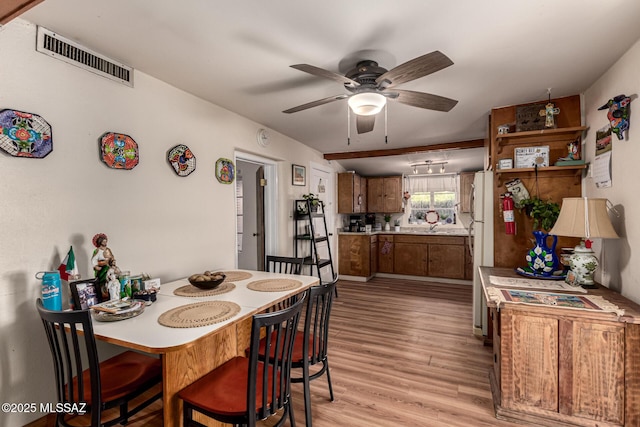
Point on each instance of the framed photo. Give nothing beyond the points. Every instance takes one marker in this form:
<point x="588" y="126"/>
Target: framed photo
<point x="298" y="175"/>
<point x="85" y="293"/>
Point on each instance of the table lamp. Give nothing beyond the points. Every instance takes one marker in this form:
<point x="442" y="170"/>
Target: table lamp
<point x="588" y="219"/>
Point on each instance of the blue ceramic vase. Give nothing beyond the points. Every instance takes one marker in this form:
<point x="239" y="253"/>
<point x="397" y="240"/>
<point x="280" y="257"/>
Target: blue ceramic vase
<point x="542" y="259"/>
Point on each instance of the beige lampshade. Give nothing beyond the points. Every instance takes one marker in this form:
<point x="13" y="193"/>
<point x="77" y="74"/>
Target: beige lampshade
<point x="576" y="221"/>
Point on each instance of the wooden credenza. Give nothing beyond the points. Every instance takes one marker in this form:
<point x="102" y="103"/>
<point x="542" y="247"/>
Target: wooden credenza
<point x="555" y="366"/>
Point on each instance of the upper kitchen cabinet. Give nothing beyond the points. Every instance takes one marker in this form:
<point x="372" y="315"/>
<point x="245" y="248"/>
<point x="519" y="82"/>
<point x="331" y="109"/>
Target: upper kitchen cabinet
<point x="352" y="193"/>
<point x="10" y="9"/>
<point x="384" y="194"/>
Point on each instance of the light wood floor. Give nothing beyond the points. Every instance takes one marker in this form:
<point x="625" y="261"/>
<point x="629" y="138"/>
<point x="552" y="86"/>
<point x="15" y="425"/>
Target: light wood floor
<point x="402" y="353"/>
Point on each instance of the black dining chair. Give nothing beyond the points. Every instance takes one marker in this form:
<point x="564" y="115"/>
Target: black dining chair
<point x="112" y="383"/>
<point x="246" y="389"/>
<point x="310" y="347"/>
<point x="284" y="265"/>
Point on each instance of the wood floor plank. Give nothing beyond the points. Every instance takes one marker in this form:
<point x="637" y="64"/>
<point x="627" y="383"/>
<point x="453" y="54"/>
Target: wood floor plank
<point x="401" y="353"/>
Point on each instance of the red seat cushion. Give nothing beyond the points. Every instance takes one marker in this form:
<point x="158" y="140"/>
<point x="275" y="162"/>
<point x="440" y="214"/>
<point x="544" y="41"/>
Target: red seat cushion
<point x="298" y="349"/>
<point x="121" y="375"/>
<point x="224" y="390"/>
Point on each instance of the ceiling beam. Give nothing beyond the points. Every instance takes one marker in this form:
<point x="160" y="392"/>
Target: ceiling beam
<point x="474" y="143"/>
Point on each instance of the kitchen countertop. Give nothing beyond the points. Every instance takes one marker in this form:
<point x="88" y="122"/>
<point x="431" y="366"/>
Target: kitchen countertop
<point x="416" y="231"/>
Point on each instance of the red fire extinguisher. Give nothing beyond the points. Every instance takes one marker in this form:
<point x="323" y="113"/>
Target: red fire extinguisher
<point x="507" y="214"/>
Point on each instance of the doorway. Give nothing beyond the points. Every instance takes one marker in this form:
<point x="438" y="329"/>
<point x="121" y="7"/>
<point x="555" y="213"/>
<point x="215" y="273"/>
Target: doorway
<point x="256" y="227"/>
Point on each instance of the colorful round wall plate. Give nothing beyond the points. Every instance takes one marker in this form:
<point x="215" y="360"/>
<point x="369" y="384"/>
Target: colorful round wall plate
<point x="119" y="151"/>
<point x="182" y="160"/>
<point x="25" y="134"/>
<point x="225" y="171"/>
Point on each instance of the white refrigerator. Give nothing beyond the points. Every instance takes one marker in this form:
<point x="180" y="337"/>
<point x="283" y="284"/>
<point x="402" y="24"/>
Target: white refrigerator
<point x="481" y="243"/>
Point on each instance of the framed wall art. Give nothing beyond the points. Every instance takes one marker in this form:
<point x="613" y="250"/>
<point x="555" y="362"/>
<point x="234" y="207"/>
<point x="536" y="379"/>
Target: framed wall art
<point x="25" y="134"/>
<point x="298" y="175"/>
<point x="119" y="151"/>
<point x="225" y="171"/>
<point x="182" y="159"/>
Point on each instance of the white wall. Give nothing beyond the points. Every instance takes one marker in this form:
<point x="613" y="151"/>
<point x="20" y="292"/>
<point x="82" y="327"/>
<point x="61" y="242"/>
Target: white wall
<point x="156" y="221"/>
<point x="619" y="258"/>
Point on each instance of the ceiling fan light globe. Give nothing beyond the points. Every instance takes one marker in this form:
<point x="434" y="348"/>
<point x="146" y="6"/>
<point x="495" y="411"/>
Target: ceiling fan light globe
<point x="367" y="104"/>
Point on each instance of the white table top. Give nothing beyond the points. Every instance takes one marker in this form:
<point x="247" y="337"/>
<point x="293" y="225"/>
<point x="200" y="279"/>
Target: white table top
<point x="145" y="333"/>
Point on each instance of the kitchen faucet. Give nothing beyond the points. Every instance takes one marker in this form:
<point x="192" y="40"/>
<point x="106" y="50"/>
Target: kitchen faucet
<point x="433" y="226"/>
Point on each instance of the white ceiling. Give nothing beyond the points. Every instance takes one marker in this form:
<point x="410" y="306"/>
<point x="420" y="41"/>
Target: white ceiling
<point x="237" y="54"/>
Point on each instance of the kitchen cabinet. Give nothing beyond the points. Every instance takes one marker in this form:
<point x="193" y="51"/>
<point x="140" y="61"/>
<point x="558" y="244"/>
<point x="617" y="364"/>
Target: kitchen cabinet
<point x="466" y="191"/>
<point x="549" y="183"/>
<point x="557" y="366"/>
<point x="432" y="256"/>
<point x="355" y="257"/>
<point x="10" y="9"/>
<point x="352" y="193"/>
<point x="385" y="253"/>
<point x="384" y="194"/>
<point x="410" y="255"/>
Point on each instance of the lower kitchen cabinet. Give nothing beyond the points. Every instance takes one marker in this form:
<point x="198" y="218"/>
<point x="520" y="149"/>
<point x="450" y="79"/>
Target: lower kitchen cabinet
<point x="408" y="254"/>
<point x="355" y="257"/>
<point x="385" y="253"/>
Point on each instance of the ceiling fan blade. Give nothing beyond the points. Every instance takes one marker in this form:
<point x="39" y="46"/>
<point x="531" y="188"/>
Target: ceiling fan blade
<point x="415" y="68"/>
<point x="424" y="100"/>
<point x="315" y="103"/>
<point x="365" y="124"/>
<point x="321" y="72"/>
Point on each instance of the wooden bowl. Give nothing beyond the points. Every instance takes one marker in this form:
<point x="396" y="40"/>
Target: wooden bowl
<point x="207" y="284"/>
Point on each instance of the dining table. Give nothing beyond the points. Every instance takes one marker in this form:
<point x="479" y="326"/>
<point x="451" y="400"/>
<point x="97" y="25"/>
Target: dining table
<point x="180" y="327"/>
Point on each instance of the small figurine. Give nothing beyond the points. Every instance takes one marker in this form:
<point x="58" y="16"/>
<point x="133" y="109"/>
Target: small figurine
<point x="549" y="111"/>
<point x="102" y="259"/>
<point x="573" y="151"/>
<point x="113" y="283"/>
<point x="618" y="114"/>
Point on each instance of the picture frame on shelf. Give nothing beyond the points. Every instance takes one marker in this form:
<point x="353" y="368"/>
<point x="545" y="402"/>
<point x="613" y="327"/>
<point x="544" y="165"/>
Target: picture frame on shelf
<point x="505" y="164"/>
<point x="298" y="175"/>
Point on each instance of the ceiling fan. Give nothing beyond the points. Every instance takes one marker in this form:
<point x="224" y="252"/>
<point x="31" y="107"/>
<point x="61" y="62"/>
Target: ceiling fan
<point x="370" y="86"/>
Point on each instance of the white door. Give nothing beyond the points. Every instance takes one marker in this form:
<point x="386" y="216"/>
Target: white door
<point x="321" y="184"/>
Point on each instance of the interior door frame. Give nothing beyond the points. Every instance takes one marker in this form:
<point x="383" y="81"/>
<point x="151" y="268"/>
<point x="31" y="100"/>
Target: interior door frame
<point x="270" y="200"/>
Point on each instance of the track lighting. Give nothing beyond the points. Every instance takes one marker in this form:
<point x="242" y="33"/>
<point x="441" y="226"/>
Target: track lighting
<point x="429" y="164"/>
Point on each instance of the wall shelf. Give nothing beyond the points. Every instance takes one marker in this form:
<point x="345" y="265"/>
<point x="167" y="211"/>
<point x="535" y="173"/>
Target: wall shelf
<point x="526" y="137"/>
<point x="577" y="170"/>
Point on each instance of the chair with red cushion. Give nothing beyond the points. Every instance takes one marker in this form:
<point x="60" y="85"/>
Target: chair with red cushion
<point x="312" y="342"/>
<point x="245" y="389"/>
<point x="100" y="385"/>
<point x="284" y="265"/>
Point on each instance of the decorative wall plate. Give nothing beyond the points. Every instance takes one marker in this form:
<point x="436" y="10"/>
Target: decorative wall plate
<point x="118" y="151"/>
<point x="225" y="171"/>
<point x="25" y="134"/>
<point x="182" y="160"/>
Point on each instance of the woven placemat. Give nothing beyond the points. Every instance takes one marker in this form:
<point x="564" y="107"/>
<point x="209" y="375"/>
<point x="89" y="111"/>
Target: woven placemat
<point x="199" y="314"/>
<point x="192" y="291"/>
<point x="274" y="285"/>
<point x="235" y="276"/>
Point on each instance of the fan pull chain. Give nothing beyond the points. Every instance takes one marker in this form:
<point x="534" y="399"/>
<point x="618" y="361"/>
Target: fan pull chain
<point x="386" y="140"/>
<point x="348" y="126"/>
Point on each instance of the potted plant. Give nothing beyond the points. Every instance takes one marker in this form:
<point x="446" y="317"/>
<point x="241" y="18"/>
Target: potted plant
<point x="396" y="225"/>
<point x="419" y="217"/>
<point x="387" y="219"/>
<point x="542" y="259"/>
<point x="313" y="201"/>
